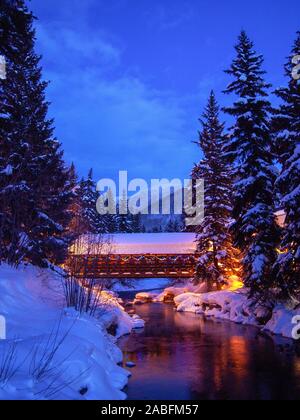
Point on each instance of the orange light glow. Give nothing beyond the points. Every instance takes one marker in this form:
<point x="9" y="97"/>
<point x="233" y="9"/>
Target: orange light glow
<point x="281" y="251"/>
<point x="235" y="283"/>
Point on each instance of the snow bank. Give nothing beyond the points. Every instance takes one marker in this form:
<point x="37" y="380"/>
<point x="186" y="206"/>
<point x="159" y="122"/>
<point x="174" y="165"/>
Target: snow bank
<point x="236" y="307"/>
<point x="169" y="294"/>
<point x="83" y="358"/>
<point x="232" y="306"/>
<point x="112" y="314"/>
<point x="281" y="321"/>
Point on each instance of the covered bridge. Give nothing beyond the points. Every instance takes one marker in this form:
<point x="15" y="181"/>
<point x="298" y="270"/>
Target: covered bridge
<point x="148" y="255"/>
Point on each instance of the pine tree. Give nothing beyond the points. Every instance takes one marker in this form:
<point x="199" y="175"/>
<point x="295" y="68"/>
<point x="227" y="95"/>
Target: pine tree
<point x="286" y="119"/>
<point x="136" y="223"/>
<point x="219" y="260"/>
<point x="91" y="221"/>
<point x="110" y="221"/>
<point x="124" y="221"/>
<point x="74" y="228"/>
<point x="286" y="125"/>
<point x="35" y="188"/>
<point x="170" y="226"/>
<point x="249" y="148"/>
<point x="174" y="225"/>
<point x="157" y="229"/>
<point x="179" y="225"/>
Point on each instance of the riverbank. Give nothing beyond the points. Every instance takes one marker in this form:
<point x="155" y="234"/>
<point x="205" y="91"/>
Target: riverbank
<point x="236" y="307"/>
<point x="56" y="353"/>
<point x="229" y="305"/>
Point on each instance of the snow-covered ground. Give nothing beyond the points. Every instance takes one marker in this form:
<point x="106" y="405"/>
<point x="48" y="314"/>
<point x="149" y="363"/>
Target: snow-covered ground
<point x="54" y="353"/>
<point x="51" y="352"/>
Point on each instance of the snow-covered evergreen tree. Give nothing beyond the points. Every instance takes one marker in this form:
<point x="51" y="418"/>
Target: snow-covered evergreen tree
<point x="170" y="226"/>
<point x="174" y="225"/>
<point x="74" y="228"/>
<point x="35" y="189"/>
<point x="249" y="148"/>
<point x="136" y="223"/>
<point x="219" y="260"/>
<point x="91" y="221"/>
<point x="110" y="220"/>
<point x="287" y="131"/>
<point x="157" y="229"/>
<point x="286" y="119"/>
<point x="124" y="220"/>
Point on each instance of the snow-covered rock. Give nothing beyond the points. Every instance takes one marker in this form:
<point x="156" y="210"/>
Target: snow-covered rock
<point x="130" y="364"/>
<point x="142" y="298"/>
<point x="281" y="322"/>
<point x="138" y="322"/>
<point x="112" y="314"/>
<point x="170" y="293"/>
<point x="236" y="307"/>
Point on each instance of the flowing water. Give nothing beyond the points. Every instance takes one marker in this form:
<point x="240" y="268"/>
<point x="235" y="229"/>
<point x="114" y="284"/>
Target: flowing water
<point x="181" y="356"/>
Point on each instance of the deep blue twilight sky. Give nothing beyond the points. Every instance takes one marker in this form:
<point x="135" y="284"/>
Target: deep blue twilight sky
<point x="129" y="78"/>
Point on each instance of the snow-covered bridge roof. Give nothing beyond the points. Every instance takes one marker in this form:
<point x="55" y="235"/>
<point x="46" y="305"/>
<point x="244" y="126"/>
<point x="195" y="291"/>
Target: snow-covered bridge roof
<point x="137" y="244"/>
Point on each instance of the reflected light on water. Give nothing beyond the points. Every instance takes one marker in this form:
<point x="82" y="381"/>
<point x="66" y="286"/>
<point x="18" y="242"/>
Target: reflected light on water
<point x="183" y="356"/>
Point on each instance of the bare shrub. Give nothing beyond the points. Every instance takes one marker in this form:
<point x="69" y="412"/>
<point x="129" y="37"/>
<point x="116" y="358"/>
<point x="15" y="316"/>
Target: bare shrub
<point x="46" y="369"/>
<point x="8" y="362"/>
<point x="57" y="385"/>
<point x="43" y="365"/>
<point x="81" y="286"/>
<point x="45" y="350"/>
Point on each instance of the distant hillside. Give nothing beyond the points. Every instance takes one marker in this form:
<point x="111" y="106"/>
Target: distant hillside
<point x="171" y="222"/>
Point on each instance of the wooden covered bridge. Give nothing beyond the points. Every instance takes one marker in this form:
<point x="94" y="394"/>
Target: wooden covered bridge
<point x="159" y="255"/>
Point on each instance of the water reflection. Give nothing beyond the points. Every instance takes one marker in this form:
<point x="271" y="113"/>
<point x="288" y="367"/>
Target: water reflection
<point x="183" y="356"/>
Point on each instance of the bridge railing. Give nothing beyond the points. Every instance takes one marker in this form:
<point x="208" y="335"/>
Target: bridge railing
<point x="133" y="266"/>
